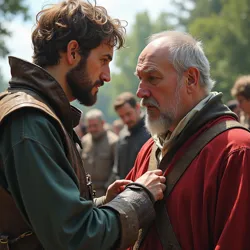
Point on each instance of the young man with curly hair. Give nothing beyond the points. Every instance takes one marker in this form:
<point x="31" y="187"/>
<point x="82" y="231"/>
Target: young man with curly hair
<point x="46" y="197"/>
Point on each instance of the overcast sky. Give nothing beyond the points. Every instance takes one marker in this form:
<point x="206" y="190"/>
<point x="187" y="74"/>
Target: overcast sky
<point x="20" y="42"/>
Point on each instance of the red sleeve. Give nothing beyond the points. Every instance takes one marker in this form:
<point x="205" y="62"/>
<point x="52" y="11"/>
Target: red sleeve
<point x="141" y="162"/>
<point x="232" y="216"/>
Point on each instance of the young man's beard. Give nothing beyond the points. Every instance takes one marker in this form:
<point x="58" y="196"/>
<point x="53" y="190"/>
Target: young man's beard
<point x="81" y="85"/>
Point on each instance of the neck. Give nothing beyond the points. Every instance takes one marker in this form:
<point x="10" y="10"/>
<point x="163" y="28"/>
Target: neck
<point x="189" y="105"/>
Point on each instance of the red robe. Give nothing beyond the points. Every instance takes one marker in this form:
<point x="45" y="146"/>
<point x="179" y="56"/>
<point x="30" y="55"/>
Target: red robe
<point x="209" y="208"/>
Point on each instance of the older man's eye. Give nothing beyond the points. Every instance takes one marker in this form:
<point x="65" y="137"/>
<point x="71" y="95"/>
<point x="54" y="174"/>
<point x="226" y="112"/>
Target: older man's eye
<point x="152" y="78"/>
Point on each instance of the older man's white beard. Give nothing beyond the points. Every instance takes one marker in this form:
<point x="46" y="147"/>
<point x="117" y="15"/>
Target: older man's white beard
<point x="159" y="126"/>
<point x="166" y="119"/>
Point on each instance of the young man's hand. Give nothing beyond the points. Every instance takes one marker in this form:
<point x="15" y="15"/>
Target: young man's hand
<point x="115" y="188"/>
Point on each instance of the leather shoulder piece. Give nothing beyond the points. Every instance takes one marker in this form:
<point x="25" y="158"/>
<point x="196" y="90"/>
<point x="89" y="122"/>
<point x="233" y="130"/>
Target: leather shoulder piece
<point x="14" y="100"/>
<point x="11" y="101"/>
<point x="136" y="210"/>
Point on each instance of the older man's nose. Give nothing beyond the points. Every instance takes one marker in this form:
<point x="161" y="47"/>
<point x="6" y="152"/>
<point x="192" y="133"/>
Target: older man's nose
<point x="142" y="93"/>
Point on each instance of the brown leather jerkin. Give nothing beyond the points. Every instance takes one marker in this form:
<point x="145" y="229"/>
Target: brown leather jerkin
<point x="12" y="223"/>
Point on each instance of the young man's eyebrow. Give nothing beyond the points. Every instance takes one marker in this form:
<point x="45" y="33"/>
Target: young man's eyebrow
<point x="109" y="57"/>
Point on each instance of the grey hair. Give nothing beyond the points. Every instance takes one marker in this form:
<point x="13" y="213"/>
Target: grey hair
<point x="186" y="52"/>
<point x="94" y="114"/>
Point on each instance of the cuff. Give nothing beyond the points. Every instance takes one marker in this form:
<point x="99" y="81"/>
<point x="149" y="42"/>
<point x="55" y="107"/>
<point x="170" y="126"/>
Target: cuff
<point x="100" y="201"/>
<point x="135" y="211"/>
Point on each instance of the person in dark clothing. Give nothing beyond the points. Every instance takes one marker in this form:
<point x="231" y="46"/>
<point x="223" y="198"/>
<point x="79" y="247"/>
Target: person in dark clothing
<point x="46" y="199"/>
<point x="132" y="136"/>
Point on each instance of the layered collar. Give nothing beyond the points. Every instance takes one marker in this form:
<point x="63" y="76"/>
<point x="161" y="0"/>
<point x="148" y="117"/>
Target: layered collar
<point x="26" y="75"/>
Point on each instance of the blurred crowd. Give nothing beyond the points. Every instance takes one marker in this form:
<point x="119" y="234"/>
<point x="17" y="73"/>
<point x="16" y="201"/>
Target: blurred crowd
<point x="106" y="148"/>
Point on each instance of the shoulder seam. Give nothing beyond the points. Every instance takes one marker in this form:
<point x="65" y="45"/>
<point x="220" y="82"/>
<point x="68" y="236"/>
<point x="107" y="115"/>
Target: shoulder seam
<point x="21" y="141"/>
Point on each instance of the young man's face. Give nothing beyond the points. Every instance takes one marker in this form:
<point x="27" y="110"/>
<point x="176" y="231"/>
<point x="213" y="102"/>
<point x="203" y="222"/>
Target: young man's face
<point x="89" y="75"/>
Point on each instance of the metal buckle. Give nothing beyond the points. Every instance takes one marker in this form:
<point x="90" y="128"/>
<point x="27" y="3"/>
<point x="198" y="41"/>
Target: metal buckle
<point x="4" y="239"/>
<point x="90" y="186"/>
<point x="21" y="236"/>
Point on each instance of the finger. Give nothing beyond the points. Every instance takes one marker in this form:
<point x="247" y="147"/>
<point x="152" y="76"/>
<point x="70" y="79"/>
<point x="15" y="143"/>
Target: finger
<point x="163" y="187"/>
<point x="157" y="171"/>
<point x="161" y="194"/>
<point x="122" y="182"/>
<point x="162" y="179"/>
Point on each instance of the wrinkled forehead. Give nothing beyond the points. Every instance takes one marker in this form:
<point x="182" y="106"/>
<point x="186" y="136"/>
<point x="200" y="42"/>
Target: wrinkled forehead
<point x="155" y="55"/>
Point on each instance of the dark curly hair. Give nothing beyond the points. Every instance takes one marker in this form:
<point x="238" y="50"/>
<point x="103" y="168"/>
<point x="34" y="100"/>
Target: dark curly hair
<point x="88" y="24"/>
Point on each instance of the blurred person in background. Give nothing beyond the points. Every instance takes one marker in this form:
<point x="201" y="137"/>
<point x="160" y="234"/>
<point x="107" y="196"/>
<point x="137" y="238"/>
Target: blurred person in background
<point x="233" y="105"/>
<point x="117" y="126"/>
<point x="132" y="136"/>
<point x="80" y="129"/>
<point x="98" y="150"/>
<point x="241" y="91"/>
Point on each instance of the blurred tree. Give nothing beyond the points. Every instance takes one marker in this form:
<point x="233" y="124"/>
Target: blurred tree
<point x="3" y="84"/>
<point x="9" y="9"/>
<point x="223" y="26"/>
<point x="189" y="10"/>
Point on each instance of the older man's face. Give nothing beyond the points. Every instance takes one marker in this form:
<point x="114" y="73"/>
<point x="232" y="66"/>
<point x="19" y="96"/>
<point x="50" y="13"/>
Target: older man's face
<point x="159" y="88"/>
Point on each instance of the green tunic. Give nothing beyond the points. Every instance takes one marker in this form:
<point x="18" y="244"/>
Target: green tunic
<point x="42" y="183"/>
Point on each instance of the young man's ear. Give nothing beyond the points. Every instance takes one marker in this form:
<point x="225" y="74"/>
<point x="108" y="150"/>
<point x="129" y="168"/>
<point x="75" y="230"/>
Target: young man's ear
<point x="72" y="52"/>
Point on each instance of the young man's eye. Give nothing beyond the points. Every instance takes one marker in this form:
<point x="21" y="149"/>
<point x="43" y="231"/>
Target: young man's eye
<point x="104" y="60"/>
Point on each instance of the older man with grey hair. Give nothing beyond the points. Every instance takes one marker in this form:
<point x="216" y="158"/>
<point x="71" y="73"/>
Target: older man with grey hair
<point x="198" y="143"/>
<point x="98" y="150"/>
